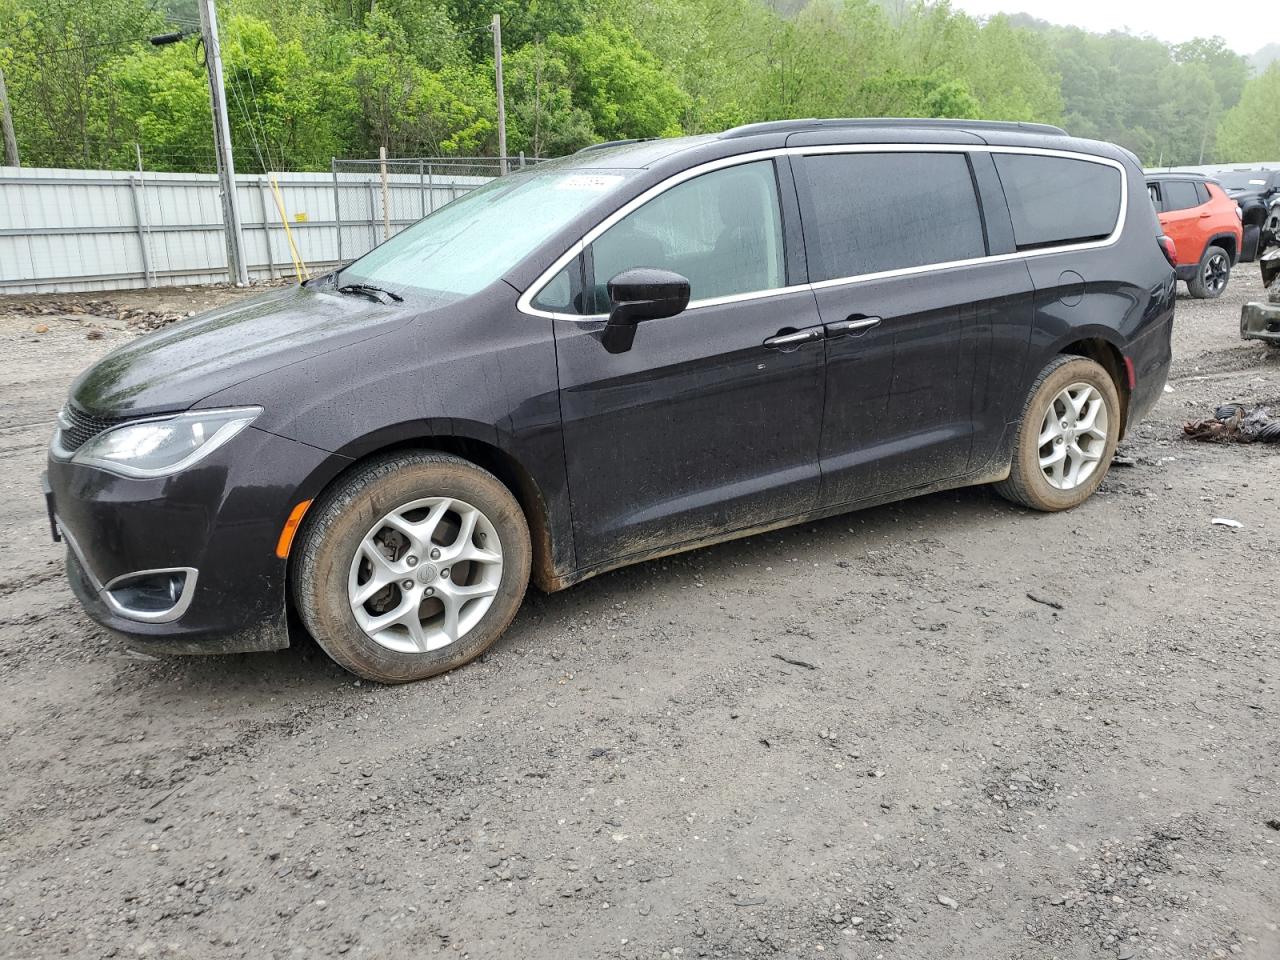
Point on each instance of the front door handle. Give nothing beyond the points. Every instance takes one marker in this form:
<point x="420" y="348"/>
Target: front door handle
<point x="789" y="341"/>
<point x="855" y="326"/>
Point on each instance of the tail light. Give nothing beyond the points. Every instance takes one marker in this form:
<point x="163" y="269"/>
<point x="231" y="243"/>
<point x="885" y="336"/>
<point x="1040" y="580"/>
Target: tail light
<point x="1169" y="249"/>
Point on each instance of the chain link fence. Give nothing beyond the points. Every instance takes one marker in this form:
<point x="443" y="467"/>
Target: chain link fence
<point x="375" y="199"/>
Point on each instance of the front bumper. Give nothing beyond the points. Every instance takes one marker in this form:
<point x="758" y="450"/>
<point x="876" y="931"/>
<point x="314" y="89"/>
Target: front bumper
<point x="1260" y="321"/>
<point x="217" y="523"/>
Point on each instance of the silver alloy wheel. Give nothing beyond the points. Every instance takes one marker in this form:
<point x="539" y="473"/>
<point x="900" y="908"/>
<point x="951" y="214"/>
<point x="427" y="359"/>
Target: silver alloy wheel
<point x="425" y="574"/>
<point x="1216" y="271"/>
<point x="1073" y="436"/>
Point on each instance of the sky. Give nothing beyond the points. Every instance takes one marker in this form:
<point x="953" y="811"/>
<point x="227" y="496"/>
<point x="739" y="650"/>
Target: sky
<point x="1246" y="26"/>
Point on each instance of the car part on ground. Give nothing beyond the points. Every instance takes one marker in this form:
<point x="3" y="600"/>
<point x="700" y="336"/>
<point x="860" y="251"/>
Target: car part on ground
<point x="1066" y="437"/>
<point x="411" y="565"/>
<point x="1261" y="321"/>
<point x="1234" y="422"/>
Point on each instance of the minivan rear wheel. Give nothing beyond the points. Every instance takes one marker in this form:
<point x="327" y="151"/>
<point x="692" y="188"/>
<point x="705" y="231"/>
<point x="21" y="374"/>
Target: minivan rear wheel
<point x="1066" y="437"/>
<point x="1211" y="275"/>
<point x="411" y="565"/>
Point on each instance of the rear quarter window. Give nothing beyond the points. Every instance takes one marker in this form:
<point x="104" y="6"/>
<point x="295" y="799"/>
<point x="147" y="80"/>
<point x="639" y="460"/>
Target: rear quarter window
<point x="1059" y="200"/>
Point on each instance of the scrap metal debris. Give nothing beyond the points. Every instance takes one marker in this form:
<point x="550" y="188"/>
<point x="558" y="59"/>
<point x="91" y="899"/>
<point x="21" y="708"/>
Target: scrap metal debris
<point x="1048" y="603"/>
<point x="1236" y="423"/>
<point x="1226" y="522"/>
<point x="795" y="663"/>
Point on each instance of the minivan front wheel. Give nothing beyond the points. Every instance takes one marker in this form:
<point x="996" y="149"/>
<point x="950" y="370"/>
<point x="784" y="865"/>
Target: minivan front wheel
<point x="1066" y="438"/>
<point x="411" y="565"/>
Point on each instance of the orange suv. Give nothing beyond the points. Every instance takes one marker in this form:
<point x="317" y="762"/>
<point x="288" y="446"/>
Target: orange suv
<point x="1204" y="224"/>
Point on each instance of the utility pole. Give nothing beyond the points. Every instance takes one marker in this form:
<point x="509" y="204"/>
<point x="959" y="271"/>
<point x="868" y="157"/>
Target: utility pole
<point x="237" y="269"/>
<point x="502" y="101"/>
<point x="6" y="122"/>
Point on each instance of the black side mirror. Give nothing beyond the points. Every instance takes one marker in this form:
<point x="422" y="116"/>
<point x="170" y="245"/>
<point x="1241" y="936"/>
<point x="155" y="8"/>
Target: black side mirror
<point x="642" y="293"/>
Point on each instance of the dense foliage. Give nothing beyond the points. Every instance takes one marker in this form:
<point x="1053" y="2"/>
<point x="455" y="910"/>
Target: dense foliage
<point x="313" y="79"/>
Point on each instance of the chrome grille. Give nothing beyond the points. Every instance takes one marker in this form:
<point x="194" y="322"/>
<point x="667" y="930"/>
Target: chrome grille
<point x="76" y="427"/>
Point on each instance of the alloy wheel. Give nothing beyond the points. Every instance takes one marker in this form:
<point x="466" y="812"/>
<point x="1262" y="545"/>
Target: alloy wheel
<point x="425" y="574"/>
<point x="1073" y="436"/>
<point x="1216" y="271"/>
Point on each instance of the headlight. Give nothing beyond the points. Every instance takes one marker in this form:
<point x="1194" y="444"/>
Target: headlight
<point x="165" y="445"/>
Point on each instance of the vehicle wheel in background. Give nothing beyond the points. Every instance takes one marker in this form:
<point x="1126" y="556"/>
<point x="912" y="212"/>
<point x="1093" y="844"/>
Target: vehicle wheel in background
<point x="1212" y="274"/>
<point x="1066" y="437"/>
<point x="411" y="565"/>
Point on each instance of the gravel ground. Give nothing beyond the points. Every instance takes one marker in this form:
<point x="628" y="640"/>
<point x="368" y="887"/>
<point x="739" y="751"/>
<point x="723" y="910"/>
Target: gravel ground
<point x="858" y="738"/>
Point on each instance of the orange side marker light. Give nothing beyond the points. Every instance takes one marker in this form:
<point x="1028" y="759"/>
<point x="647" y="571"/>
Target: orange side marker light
<point x="290" y="528"/>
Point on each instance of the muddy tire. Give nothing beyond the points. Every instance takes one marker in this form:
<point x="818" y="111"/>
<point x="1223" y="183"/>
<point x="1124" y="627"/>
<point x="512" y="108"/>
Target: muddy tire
<point x="384" y="549"/>
<point x="1211" y="275"/>
<point x="1060" y="460"/>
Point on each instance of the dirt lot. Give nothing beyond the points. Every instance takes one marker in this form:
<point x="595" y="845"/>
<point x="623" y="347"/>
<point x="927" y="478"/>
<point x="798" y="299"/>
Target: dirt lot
<point x="951" y="770"/>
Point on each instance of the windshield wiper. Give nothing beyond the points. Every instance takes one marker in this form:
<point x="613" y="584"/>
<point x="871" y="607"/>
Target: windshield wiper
<point x="369" y="290"/>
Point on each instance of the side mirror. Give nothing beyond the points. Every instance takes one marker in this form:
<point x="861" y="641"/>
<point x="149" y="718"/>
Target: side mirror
<point x="642" y="293"/>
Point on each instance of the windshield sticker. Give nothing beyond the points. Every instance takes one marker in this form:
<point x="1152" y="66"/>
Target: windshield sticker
<point x="594" y="182"/>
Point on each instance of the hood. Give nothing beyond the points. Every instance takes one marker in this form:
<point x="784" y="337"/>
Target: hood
<point x="176" y="367"/>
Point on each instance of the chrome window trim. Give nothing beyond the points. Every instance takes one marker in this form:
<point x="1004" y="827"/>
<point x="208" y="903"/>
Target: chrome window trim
<point x="525" y="303"/>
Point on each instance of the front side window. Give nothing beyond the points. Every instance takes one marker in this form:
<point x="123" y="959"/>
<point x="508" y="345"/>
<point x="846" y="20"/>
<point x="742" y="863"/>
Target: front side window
<point x="722" y="231"/>
<point x="468" y="244"/>
<point x="1061" y="200"/>
<point x="875" y="212"/>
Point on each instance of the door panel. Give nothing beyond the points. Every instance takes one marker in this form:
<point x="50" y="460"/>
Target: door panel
<point x="698" y="430"/>
<point x="899" y="409"/>
<point x="1180" y="219"/>
<point x="924" y="395"/>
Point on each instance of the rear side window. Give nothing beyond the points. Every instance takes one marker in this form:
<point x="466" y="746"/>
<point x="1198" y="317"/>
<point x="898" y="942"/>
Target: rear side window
<point x="875" y="212"/>
<point x="1180" y="195"/>
<point x="1058" y="200"/>
<point x="1202" y="192"/>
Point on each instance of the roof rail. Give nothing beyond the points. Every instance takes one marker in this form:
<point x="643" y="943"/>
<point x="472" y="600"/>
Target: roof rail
<point x="813" y="123"/>
<point x="606" y="144"/>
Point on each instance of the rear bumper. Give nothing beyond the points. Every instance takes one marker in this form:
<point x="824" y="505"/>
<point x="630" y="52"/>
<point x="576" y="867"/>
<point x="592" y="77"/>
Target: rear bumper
<point x="1151" y="356"/>
<point x="215" y="525"/>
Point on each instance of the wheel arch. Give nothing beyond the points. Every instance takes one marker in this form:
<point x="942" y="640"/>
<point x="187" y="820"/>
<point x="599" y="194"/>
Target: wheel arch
<point x="1111" y="358"/>
<point x="477" y="445"/>
<point x="1227" y="241"/>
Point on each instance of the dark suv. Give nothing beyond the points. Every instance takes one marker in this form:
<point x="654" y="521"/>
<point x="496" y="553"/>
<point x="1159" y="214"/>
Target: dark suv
<point x="1256" y="190"/>
<point x="614" y="356"/>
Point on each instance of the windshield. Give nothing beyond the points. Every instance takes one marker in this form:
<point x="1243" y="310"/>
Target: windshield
<point x="468" y="244"/>
<point x="1242" y="179"/>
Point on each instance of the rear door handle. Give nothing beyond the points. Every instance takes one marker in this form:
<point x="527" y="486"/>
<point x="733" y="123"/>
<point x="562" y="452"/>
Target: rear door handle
<point x="853" y="327"/>
<point x="789" y="341"/>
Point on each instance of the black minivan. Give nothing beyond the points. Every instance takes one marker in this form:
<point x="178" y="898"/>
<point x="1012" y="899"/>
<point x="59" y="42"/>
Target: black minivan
<point x="639" y="349"/>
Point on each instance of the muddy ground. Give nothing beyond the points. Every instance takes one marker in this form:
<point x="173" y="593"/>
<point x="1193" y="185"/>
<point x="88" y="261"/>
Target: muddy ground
<point x="640" y="769"/>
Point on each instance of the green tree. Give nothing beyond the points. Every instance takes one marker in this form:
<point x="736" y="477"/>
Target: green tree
<point x="1251" y="129"/>
<point x="55" y="54"/>
<point x="543" y="120"/>
<point x="619" y="84"/>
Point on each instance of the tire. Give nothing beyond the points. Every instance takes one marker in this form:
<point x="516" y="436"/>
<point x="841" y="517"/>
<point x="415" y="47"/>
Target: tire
<point x="1211" y="275"/>
<point x="1027" y="483"/>
<point x="351" y="518"/>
